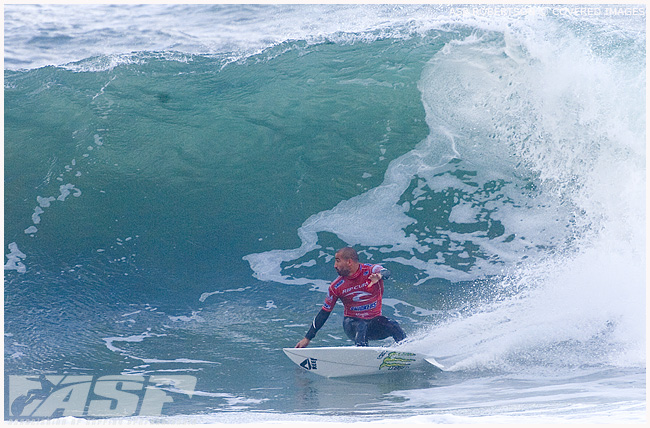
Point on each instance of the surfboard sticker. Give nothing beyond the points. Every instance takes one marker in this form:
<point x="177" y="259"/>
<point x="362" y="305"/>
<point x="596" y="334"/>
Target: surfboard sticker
<point x="339" y="361"/>
<point x="395" y="360"/>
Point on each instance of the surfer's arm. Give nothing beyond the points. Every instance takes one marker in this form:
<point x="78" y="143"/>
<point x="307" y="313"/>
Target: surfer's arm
<point x="318" y="322"/>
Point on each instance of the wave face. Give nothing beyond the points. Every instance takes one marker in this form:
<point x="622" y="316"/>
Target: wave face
<point x="174" y="199"/>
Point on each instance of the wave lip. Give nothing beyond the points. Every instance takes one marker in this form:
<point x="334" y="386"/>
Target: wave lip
<point x="240" y="31"/>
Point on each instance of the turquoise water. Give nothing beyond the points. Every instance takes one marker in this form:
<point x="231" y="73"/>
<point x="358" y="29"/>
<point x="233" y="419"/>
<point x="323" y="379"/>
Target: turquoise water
<point x="174" y="199"/>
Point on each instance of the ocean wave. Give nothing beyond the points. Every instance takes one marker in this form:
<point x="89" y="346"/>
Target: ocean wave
<point x="494" y="163"/>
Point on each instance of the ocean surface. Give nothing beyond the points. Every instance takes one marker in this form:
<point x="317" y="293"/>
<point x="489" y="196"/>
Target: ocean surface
<point x="177" y="179"/>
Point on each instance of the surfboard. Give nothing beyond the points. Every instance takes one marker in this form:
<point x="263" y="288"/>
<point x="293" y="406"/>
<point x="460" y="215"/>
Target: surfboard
<point x="340" y="361"/>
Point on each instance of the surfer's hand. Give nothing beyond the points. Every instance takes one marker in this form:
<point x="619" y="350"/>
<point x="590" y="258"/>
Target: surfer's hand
<point x="303" y="343"/>
<point x="374" y="278"/>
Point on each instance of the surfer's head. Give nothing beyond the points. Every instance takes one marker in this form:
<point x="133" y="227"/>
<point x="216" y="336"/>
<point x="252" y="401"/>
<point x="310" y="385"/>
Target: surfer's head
<point x="346" y="261"/>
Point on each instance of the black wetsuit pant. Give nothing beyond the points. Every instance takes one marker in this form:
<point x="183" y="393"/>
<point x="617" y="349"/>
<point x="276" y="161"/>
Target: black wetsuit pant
<point x="361" y="331"/>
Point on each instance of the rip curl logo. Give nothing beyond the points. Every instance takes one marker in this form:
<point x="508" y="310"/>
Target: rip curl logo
<point x="360" y="296"/>
<point x="51" y="396"/>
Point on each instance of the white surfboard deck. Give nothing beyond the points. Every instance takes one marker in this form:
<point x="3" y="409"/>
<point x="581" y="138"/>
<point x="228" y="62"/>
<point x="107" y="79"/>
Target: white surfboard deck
<point x="339" y="361"/>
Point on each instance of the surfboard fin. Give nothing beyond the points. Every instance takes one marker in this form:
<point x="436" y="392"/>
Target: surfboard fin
<point x="433" y="362"/>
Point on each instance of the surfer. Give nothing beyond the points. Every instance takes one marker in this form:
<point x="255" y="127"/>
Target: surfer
<point x="360" y="287"/>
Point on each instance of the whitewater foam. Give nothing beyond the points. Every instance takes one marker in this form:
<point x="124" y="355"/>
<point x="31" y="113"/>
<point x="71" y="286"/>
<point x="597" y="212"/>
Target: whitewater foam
<point x="15" y="259"/>
<point x="590" y="154"/>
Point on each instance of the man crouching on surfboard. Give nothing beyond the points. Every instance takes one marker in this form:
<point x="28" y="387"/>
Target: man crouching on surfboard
<point x="360" y="287"/>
